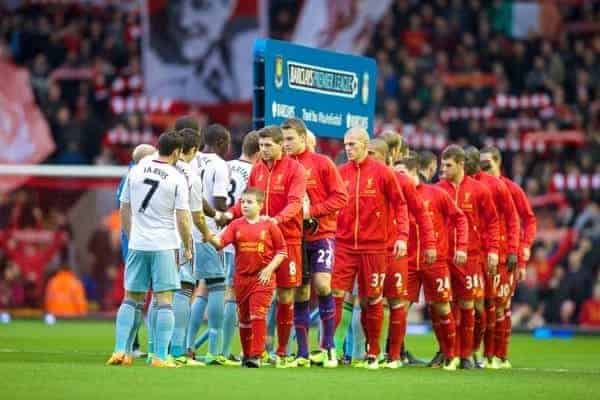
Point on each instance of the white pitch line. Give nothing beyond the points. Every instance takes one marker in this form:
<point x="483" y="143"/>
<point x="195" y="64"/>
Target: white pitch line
<point x="50" y="352"/>
<point x="89" y="353"/>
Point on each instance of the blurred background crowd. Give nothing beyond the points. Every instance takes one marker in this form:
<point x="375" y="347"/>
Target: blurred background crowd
<point x="449" y="71"/>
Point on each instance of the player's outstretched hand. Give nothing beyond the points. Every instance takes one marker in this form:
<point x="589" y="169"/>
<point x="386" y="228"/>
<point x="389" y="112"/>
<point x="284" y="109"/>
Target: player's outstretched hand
<point x="400" y="249"/>
<point x="511" y="261"/>
<point x="430" y="256"/>
<point x="460" y="258"/>
<point x="214" y="241"/>
<point x="264" y="276"/>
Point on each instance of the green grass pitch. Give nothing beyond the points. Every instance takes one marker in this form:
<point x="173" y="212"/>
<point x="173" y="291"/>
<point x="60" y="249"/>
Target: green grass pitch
<point x="66" y="361"/>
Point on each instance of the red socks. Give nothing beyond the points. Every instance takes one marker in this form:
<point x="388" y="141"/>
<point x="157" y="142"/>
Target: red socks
<point x="480" y="328"/>
<point x="467" y="322"/>
<point x="397" y="331"/>
<point x="339" y="309"/>
<point x="259" y="337"/>
<point x="499" y="335"/>
<point x="488" y="341"/>
<point x="246" y="338"/>
<point x="503" y="327"/>
<point x="373" y="322"/>
<point x="447" y="334"/>
<point x="457" y="323"/>
<point x="285" y="321"/>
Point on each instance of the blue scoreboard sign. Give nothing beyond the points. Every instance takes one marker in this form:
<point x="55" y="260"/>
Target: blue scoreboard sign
<point x="331" y="92"/>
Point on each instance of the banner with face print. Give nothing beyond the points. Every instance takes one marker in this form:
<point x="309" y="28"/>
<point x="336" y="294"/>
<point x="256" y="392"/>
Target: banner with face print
<point x="200" y="51"/>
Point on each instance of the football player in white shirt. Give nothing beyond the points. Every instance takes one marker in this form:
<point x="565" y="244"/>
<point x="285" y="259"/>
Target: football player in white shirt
<point x="154" y="209"/>
<point x="208" y="268"/>
<point x="181" y="299"/>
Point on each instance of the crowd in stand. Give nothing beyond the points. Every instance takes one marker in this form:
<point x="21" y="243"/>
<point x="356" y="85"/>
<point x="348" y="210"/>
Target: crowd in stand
<point x="448" y="72"/>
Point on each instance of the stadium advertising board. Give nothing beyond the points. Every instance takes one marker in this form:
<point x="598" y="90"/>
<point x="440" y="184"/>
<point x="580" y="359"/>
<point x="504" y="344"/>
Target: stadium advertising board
<point x="331" y="92"/>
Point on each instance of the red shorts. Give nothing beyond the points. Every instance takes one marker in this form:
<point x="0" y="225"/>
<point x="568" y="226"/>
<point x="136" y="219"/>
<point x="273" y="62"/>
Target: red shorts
<point x="252" y="297"/>
<point x="467" y="280"/>
<point x="396" y="276"/>
<point x="435" y="280"/>
<point x="289" y="273"/>
<point x="504" y="289"/>
<point x="370" y="269"/>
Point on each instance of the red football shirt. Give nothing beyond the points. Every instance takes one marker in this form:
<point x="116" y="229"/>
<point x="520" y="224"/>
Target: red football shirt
<point x="255" y="244"/>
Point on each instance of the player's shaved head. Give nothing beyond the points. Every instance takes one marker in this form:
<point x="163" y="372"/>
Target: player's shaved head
<point x="379" y="149"/>
<point x="141" y="151"/>
<point x="356" y="141"/>
<point x="357" y="133"/>
<point x="471" y="160"/>
<point x="311" y="140"/>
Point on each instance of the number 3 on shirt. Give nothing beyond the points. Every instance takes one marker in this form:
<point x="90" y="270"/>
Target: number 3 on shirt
<point x="473" y="282"/>
<point x="377" y="280"/>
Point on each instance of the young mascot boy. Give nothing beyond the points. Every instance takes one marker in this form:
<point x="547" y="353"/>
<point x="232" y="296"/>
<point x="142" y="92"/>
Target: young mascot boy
<point x="259" y="250"/>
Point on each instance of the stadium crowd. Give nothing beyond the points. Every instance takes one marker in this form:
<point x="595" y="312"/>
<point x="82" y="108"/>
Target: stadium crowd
<point x="448" y="72"/>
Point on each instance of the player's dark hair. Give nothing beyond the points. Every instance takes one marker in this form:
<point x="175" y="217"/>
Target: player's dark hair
<point x="189" y="122"/>
<point x="191" y="139"/>
<point x="257" y="193"/>
<point x="411" y="161"/>
<point x="168" y="142"/>
<point x="494" y="151"/>
<point x="216" y="135"/>
<point x="271" y="131"/>
<point x="453" y="152"/>
<point x="471" y="160"/>
<point x="250" y="144"/>
<point x="426" y="157"/>
<point x="296" y="124"/>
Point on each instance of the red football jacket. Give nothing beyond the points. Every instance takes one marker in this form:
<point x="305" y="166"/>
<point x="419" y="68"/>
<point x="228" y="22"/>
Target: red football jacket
<point x="326" y="192"/>
<point x="284" y="185"/>
<point x="507" y="215"/>
<point x="476" y="203"/>
<point x="416" y="214"/>
<point x="526" y="215"/>
<point x="373" y="193"/>
<point x="445" y="217"/>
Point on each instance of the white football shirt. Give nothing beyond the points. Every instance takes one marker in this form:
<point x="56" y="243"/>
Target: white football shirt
<point x="155" y="190"/>
<point x="239" y="171"/>
<point x="214" y="174"/>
